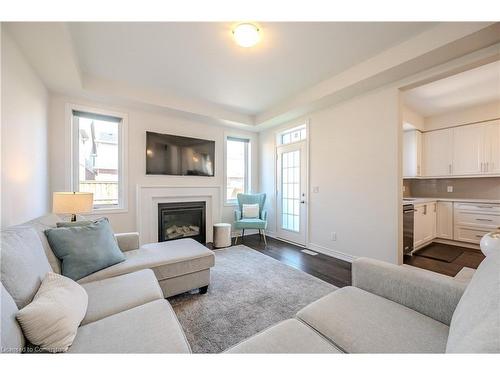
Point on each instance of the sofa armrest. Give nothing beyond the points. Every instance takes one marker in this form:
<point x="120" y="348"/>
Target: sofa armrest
<point x="237" y="215"/>
<point x="428" y="293"/>
<point x="127" y="241"/>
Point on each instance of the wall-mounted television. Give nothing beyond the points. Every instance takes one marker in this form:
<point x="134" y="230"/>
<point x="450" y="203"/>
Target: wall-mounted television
<point x="168" y="154"/>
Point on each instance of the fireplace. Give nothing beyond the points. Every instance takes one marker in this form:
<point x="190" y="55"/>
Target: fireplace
<point x="181" y="220"/>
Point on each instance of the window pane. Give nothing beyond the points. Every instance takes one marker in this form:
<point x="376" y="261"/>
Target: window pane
<point x="236" y="168"/>
<point x="98" y="159"/>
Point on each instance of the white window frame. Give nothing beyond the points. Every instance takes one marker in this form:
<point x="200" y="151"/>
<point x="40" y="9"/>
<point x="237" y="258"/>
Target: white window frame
<point x="72" y="177"/>
<point x="281" y="133"/>
<point x="248" y="167"/>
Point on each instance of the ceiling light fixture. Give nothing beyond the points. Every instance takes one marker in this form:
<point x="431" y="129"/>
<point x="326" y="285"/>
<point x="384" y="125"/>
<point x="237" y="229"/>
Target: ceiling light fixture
<point x="246" y="34"/>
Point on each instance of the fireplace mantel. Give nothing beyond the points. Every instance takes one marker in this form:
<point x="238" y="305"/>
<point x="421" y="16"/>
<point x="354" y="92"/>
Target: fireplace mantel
<point x="148" y="198"/>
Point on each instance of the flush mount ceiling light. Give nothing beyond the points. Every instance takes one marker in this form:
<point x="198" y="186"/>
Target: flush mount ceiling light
<point x="246" y="34"/>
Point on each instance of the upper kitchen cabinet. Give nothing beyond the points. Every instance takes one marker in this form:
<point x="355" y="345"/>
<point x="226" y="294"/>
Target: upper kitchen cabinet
<point x="412" y="153"/>
<point x="468" y="150"/>
<point x="492" y="146"/>
<point x="438" y="153"/>
<point x="476" y="149"/>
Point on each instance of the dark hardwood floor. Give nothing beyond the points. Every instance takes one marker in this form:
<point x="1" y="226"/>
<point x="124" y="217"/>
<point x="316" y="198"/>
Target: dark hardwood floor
<point x="432" y="257"/>
<point x="324" y="267"/>
<point x="338" y="272"/>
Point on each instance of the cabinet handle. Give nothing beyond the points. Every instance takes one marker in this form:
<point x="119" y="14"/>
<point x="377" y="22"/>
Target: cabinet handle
<point x="484" y="219"/>
<point x="449" y="168"/>
<point x="484" y="206"/>
<point x="479" y="236"/>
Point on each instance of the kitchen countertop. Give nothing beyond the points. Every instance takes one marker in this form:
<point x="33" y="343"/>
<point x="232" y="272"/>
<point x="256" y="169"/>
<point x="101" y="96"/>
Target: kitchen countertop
<point x="415" y="200"/>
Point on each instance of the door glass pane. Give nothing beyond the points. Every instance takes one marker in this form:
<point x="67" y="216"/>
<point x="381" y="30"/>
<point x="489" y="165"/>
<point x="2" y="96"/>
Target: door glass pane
<point x="290" y="190"/>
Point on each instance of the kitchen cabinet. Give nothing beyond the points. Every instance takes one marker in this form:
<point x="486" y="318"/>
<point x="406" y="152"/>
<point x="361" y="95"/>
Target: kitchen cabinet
<point x="468" y="149"/>
<point x="438" y="153"/>
<point x="473" y="220"/>
<point x="424" y="224"/>
<point x="492" y="147"/>
<point x="412" y="153"/>
<point x="444" y="220"/>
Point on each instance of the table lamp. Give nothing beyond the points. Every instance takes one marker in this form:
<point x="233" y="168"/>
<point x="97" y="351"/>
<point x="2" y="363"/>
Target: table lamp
<point x="72" y="203"/>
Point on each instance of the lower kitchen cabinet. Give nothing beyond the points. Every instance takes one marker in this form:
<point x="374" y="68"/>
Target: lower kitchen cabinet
<point x="424" y="224"/>
<point x="444" y="220"/>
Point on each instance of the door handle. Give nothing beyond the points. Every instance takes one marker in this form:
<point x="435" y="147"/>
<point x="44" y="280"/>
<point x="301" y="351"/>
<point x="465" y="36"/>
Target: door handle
<point x="302" y="202"/>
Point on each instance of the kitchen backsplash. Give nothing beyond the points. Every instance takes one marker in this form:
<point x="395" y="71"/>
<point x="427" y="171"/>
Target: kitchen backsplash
<point x="473" y="188"/>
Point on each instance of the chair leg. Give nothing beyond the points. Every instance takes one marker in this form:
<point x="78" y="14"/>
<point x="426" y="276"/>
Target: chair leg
<point x="236" y="240"/>
<point x="242" y="235"/>
<point x="260" y="236"/>
<point x="264" y="235"/>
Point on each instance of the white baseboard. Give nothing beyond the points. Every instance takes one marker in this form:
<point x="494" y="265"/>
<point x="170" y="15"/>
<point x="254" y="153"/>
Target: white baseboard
<point x="333" y="253"/>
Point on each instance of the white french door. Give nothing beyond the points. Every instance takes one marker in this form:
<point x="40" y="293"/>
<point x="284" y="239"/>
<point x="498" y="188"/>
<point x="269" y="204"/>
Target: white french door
<point x="292" y="192"/>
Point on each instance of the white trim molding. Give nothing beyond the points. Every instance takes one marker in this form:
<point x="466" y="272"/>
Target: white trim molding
<point x="333" y="253"/>
<point x="148" y="198"/>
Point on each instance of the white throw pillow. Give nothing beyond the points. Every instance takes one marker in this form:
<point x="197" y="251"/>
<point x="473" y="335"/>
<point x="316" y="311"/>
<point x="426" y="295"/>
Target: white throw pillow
<point x="50" y="321"/>
<point x="250" y="211"/>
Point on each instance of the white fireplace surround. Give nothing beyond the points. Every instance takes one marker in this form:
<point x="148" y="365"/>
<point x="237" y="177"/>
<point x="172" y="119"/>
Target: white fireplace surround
<point x="148" y="198"/>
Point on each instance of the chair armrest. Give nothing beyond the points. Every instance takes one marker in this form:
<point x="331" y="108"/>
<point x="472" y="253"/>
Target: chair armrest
<point x="427" y="292"/>
<point x="264" y="215"/>
<point x="237" y="215"/>
<point x="127" y="241"/>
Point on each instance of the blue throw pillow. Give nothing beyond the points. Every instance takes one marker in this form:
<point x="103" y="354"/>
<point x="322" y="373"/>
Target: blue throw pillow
<point x="85" y="249"/>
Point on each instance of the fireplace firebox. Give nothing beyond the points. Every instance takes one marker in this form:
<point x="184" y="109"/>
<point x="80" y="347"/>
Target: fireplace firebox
<point x="181" y="220"/>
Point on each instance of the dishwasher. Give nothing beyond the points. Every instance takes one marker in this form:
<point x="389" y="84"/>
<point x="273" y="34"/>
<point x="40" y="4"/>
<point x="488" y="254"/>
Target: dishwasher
<point x="408" y="213"/>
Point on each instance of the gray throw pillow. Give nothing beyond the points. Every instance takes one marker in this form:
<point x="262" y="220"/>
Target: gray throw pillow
<point x="85" y="249"/>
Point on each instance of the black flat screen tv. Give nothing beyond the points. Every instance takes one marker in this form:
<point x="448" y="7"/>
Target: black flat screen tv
<point x="168" y="154"/>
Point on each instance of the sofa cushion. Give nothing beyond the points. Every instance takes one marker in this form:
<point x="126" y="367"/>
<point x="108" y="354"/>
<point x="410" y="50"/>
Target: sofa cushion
<point x="50" y="321"/>
<point x="149" y="328"/>
<point x="120" y="293"/>
<point x="11" y="335"/>
<point x="41" y="224"/>
<point x="24" y="264"/>
<point x="289" y="336"/>
<point x="475" y="326"/>
<point x="166" y="259"/>
<point x="360" y="322"/>
<point x="85" y="249"/>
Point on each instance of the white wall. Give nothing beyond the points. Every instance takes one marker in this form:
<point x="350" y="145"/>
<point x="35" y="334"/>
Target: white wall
<point x="139" y="121"/>
<point x="411" y="117"/>
<point x="469" y="115"/>
<point x="354" y="160"/>
<point x="25" y="180"/>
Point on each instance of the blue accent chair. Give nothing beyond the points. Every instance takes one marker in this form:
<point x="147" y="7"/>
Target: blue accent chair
<point x="259" y="223"/>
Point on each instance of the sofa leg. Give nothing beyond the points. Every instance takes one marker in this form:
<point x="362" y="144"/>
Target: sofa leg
<point x="204" y="289"/>
<point x="264" y="235"/>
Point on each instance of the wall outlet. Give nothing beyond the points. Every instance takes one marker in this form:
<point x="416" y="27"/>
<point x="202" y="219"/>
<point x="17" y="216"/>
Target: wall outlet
<point x="315" y="189"/>
<point x="334" y="236"/>
<point x="449" y="189"/>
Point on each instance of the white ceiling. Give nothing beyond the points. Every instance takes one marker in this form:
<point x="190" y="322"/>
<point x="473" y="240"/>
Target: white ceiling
<point x="200" y="61"/>
<point x="467" y="89"/>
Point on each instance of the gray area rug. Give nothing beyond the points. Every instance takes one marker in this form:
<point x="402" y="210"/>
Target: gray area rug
<point x="249" y="292"/>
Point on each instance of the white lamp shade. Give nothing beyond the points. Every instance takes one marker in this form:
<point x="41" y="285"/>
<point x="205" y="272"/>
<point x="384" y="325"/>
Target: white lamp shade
<point x="72" y="202"/>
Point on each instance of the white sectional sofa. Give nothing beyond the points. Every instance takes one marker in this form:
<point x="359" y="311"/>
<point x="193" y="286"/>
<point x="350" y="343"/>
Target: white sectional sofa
<point x="394" y="309"/>
<point x="127" y="311"/>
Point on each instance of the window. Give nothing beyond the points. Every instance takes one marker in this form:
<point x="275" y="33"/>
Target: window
<point x="293" y="135"/>
<point x="237" y="167"/>
<point x="98" y="158"/>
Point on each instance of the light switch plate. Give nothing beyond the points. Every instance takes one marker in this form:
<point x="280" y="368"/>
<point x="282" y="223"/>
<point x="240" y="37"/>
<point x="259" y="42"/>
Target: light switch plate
<point x="449" y="189"/>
